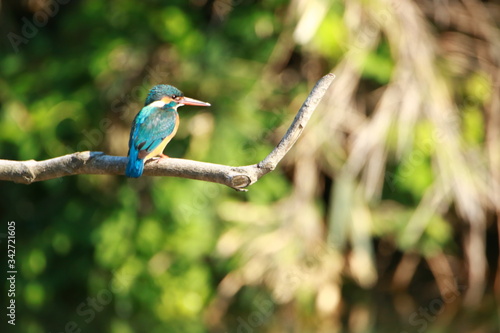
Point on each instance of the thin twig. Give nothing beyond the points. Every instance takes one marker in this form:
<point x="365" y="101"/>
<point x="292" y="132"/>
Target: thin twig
<point x="97" y="163"/>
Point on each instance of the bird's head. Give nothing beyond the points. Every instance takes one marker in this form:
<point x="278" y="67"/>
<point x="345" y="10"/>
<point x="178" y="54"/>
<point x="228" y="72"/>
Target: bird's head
<point x="171" y="96"/>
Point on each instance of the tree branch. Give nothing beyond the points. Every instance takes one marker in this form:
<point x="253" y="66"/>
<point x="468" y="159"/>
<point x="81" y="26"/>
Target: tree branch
<point x="97" y="163"/>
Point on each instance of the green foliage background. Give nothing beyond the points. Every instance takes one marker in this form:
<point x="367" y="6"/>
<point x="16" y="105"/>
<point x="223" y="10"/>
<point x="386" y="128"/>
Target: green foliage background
<point x="383" y="217"/>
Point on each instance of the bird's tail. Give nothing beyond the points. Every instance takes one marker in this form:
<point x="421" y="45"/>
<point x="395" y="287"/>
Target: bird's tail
<point x="135" y="165"/>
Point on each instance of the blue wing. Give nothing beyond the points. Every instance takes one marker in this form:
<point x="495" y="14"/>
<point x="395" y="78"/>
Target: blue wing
<point x="151" y="126"/>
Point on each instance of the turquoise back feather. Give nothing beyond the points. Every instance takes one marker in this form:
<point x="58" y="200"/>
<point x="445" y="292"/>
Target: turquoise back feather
<point x="151" y="125"/>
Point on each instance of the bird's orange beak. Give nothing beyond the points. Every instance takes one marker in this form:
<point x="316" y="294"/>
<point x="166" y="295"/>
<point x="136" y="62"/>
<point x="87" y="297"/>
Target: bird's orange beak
<point x="192" y="101"/>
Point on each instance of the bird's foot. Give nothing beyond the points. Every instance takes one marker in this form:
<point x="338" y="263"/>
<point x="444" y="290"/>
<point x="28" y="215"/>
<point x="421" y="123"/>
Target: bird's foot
<point x="156" y="158"/>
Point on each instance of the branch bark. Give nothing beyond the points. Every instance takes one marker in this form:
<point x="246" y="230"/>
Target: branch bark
<point x="97" y="163"/>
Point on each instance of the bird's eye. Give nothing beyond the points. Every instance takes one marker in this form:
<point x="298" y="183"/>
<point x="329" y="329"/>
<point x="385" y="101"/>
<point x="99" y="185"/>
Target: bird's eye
<point x="174" y="96"/>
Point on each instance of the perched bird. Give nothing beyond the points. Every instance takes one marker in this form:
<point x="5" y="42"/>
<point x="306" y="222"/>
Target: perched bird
<point x="155" y="125"/>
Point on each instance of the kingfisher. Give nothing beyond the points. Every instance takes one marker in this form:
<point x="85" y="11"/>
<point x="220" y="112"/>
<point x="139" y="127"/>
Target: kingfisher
<point x="155" y="125"/>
